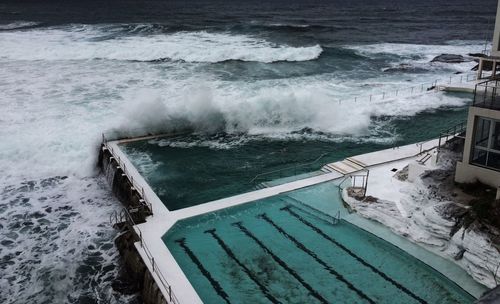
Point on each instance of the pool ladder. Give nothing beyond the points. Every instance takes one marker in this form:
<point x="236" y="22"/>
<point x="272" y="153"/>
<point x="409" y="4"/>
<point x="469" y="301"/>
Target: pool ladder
<point x="336" y="218"/>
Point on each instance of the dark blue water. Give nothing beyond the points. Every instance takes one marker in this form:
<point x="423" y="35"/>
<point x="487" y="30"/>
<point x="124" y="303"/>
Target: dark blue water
<point x="332" y="21"/>
<point x="255" y="73"/>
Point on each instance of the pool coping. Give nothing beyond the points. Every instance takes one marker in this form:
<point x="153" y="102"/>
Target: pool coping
<point x="157" y="225"/>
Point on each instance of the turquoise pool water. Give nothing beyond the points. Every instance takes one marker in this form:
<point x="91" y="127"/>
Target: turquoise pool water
<point x="291" y="249"/>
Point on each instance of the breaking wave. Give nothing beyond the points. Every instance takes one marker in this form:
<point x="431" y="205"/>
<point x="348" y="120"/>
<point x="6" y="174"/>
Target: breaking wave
<point x="87" y="42"/>
<point x="279" y="112"/>
<point x="418" y="52"/>
<point x="18" y="25"/>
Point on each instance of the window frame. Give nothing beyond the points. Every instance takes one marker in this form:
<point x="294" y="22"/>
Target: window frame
<point x="488" y="149"/>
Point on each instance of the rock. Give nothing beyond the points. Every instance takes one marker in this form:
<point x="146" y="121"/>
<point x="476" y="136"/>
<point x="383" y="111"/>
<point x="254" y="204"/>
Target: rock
<point x="449" y="58"/>
<point x="487" y="66"/>
<point x="404" y="67"/>
<point x="477" y="55"/>
<point x="459" y="255"/>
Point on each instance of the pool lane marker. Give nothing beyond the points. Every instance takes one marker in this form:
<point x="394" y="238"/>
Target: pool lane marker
<point x="299" y="202"/>
<point x="315" y="257"/>
<point x="292" y="272"/>
<point x="313" y="215"/>
<point x="249" y="273"/>
<point x="328" y="238"/>
<point x="218" y="289"/>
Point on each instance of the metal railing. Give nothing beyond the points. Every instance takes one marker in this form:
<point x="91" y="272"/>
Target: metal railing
<point x="260" y="176"/>
<point x="125" y="216"/>
<point x="415" y="90"/>
<point x="357" y="181"/>
<point x="141" y="133"/>
<point x="135" y="187"/>
<point x="451" y="133"/>
<point x="487" y="95"/>
<point x="170" y="296"/>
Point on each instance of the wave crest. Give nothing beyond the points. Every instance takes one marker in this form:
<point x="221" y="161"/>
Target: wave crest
<point x="18" y="25"/>
<point x="86" y="43"/>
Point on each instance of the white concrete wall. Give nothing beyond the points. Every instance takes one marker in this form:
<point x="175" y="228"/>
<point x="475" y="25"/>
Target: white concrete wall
<point x="467" y="173"/>
<point x="495" y="49"/>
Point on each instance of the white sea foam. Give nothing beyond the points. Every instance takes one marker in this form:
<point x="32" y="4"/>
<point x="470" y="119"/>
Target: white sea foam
<point x="420" y="52"/>
<point x="18" y="25"/>
<point x="85" y="43"/>
<point x="55" y="110"/>
<point x="419" y="56"/>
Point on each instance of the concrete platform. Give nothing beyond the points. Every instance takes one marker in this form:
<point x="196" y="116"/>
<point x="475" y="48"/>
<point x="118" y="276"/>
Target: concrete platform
<point x="358" y="163"/>
<point x="161" y="262"/>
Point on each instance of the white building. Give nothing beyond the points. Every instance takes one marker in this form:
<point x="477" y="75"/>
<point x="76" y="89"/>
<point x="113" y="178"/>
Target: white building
<point x="493" y="60"/>
<point x="481" y="157"/>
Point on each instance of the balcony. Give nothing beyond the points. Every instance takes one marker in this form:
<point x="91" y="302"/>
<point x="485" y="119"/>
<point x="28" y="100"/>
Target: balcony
<point x="487" y="95"/>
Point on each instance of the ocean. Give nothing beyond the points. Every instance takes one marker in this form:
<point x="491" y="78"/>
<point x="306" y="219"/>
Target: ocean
<point x="268" y="75"/>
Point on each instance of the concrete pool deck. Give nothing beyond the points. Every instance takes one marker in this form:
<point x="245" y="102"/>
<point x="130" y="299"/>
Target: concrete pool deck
<point x="161" y="262"/>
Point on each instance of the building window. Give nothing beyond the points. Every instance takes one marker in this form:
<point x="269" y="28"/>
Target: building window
<point x="486" y="143"/>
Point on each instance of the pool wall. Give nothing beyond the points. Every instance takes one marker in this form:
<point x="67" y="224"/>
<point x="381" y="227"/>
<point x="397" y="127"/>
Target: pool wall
<point x="163" y="266"/>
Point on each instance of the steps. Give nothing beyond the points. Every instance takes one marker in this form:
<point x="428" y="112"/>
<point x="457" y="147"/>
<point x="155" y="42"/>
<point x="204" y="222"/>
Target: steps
<point x="344" y="167"/>
<point x="424" y="159"/>
<point x="260" y="186"/>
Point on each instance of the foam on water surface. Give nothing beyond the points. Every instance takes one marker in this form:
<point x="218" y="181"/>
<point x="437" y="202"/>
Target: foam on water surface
<point x="62" y="86"/>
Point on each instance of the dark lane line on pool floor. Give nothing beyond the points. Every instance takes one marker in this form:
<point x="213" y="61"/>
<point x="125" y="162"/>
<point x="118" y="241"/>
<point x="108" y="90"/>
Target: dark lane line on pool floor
<point x="292" y="272"/>
<point x="312" y="214"/>
<point x="330" y="239"/>
<point x="296" y="201"/>
<point x="301" y="246"/>
<point x="249" y="273"/>
<point x="216" y="286"/>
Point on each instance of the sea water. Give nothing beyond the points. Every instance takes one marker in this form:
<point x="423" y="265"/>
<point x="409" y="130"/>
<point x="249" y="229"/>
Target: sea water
<point x="267" y="73"/>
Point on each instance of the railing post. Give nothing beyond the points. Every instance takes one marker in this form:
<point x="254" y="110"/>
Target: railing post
<point x="170" y="292"/>
<point x="153" y="263"/>
<point x="366" y="184"/>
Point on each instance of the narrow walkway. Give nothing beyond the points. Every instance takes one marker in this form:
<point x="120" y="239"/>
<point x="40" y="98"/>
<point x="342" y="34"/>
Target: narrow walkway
<point x="361" y="162"/>
<point x="254" y="195"/>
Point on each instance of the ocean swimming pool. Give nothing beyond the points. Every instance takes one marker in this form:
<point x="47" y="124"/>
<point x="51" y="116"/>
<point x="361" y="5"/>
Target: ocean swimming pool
<point x="193" y="169"/>
<point x="293" y="248"/>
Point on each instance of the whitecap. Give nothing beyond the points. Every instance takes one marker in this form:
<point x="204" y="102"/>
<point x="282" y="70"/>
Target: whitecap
<point x="18" y="25"/>
<point x="84" y="43"/>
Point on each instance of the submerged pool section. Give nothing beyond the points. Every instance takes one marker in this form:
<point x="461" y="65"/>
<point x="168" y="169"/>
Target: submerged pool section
<point x="286" y="249"/>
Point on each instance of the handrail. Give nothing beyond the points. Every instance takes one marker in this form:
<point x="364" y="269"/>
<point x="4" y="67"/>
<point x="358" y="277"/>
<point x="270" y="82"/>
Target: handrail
<point x="289" y="168"/>
<point x="121" y="165"/>
<point x="145" y="134"/>
<point x="415" y="90"/>
<point x="171" y="296"/>
<point x="486" y="94"/>
<point x="352" y="176"/>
